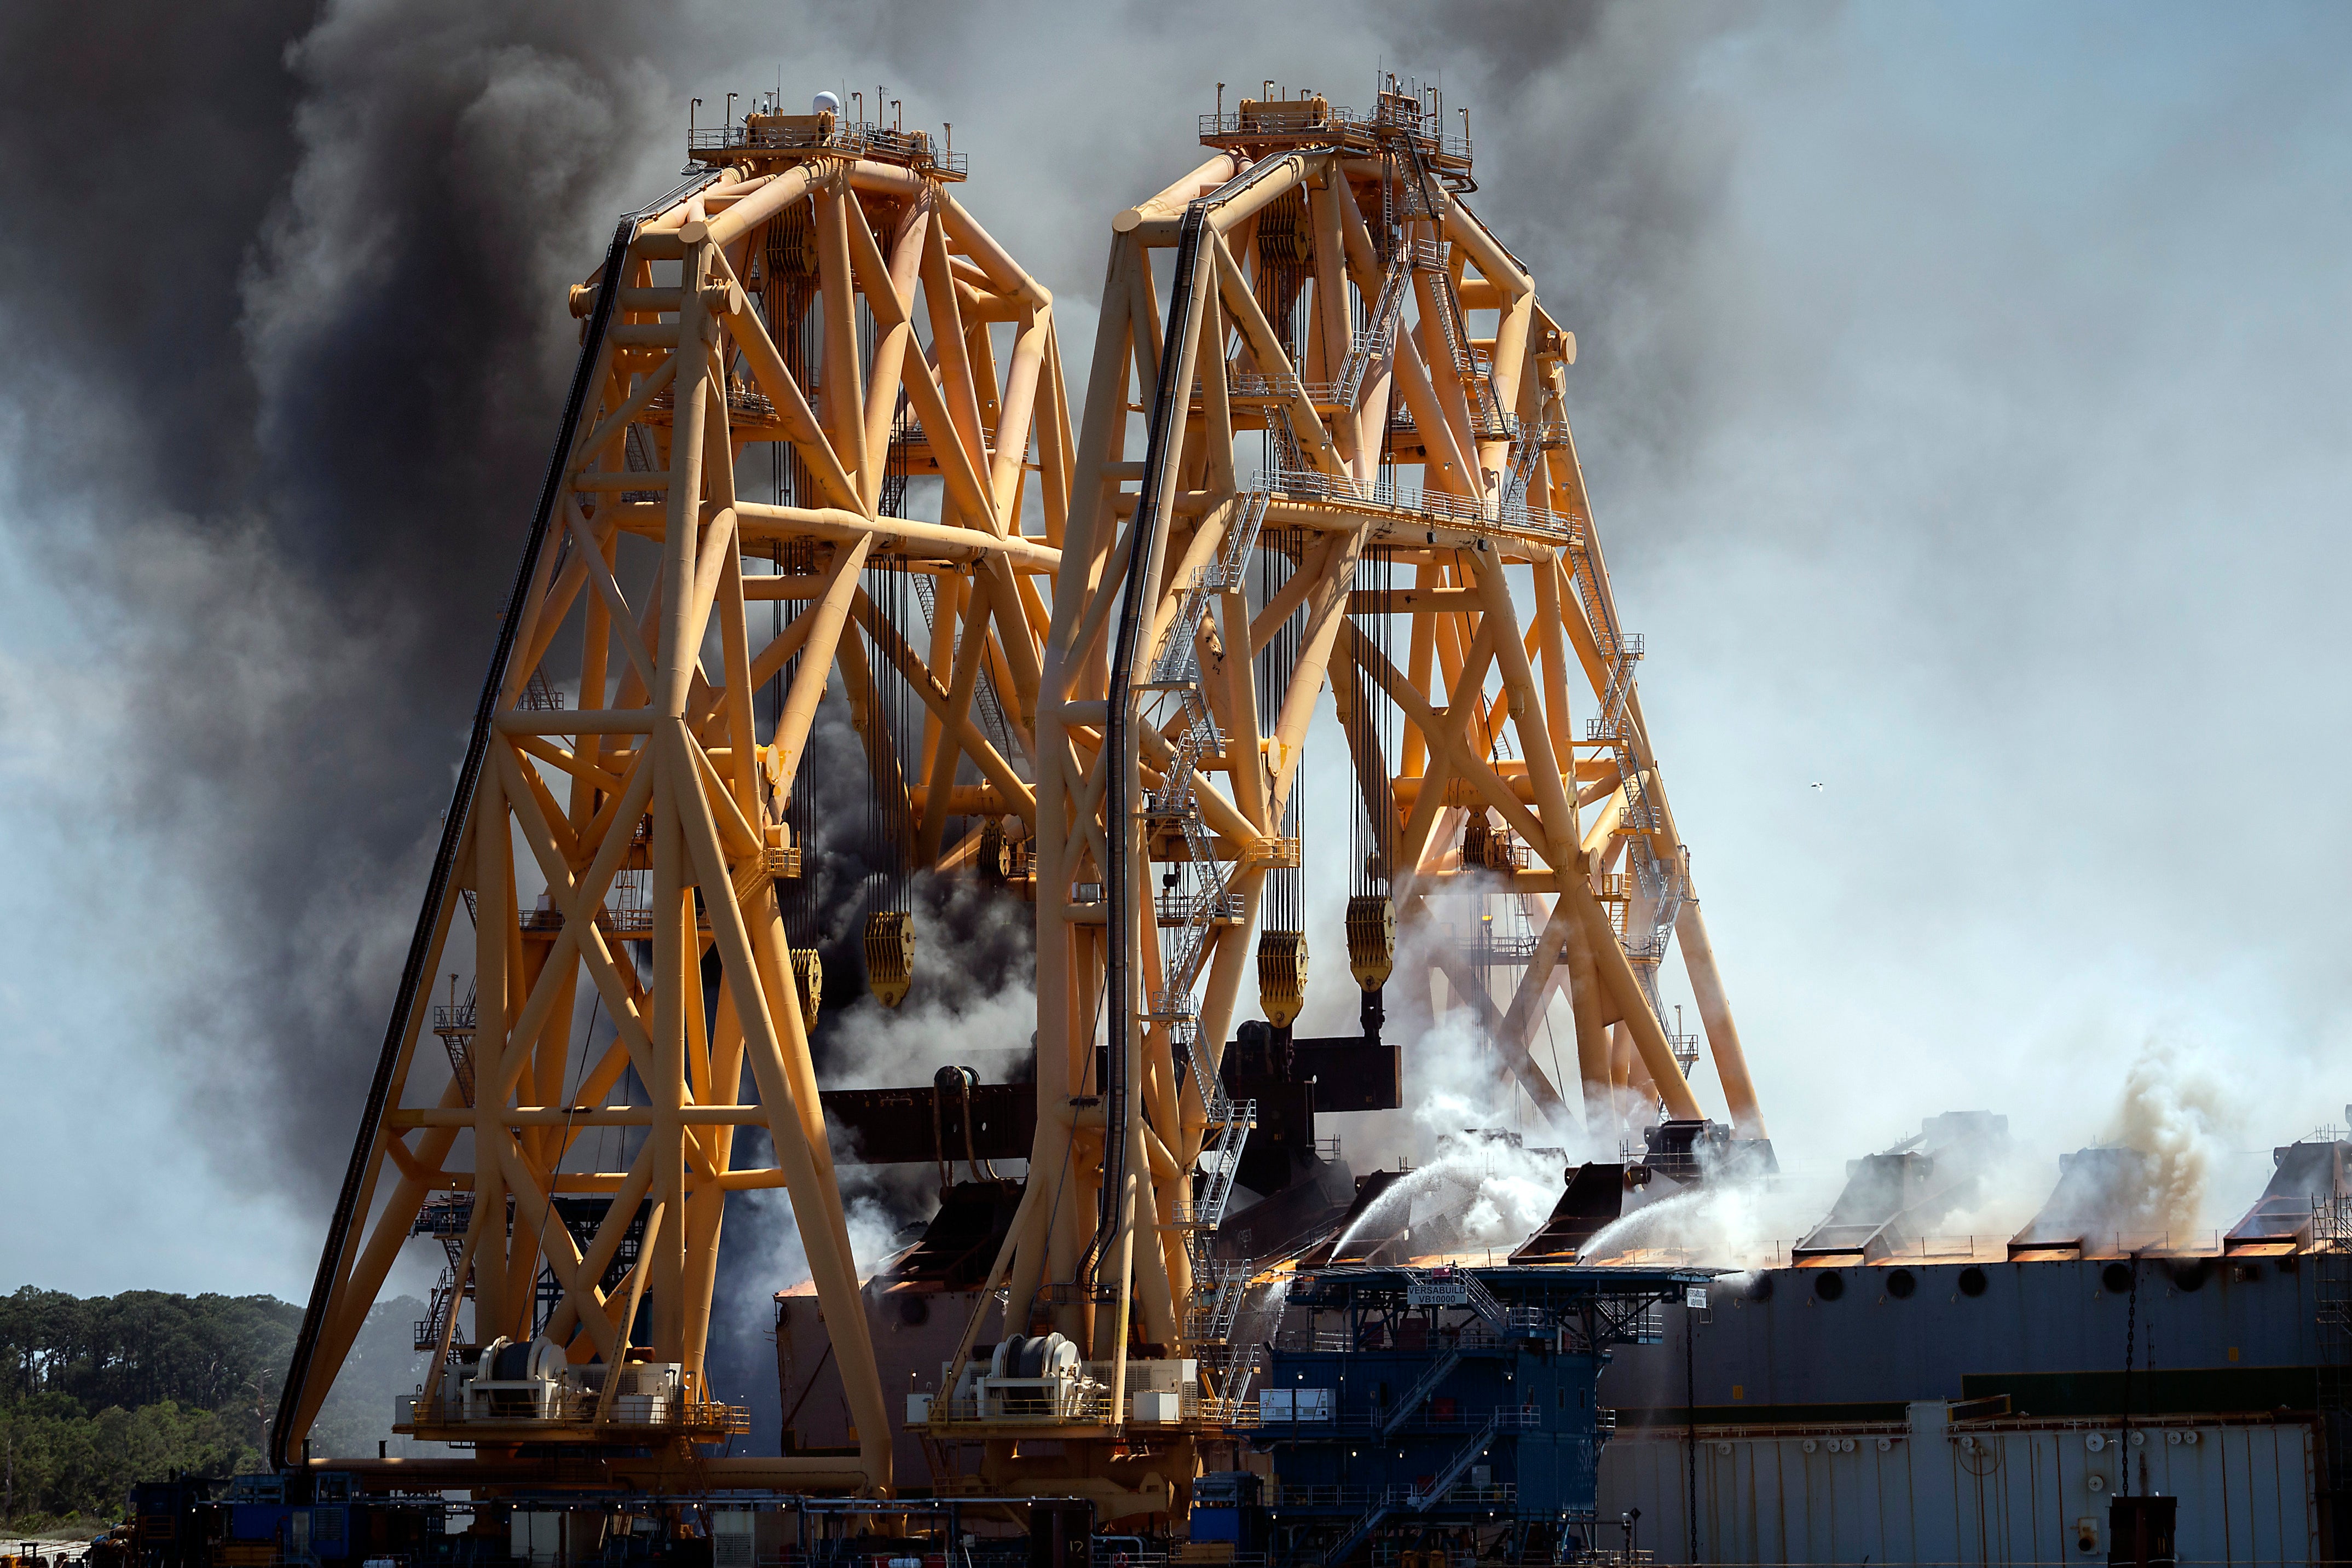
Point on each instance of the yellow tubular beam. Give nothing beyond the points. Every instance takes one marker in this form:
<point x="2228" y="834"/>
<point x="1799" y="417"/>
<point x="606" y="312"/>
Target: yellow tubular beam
<point x="958" y="466"/>
<point x="742" y="216"/>
<point x="1714" y="1014"/>
<point x="826" y="619"/>
<point x="826" y="1242"/>
<point x="843" y="383"/>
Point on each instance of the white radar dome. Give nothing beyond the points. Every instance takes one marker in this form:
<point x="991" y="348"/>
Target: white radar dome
<point x="826" y="103"/>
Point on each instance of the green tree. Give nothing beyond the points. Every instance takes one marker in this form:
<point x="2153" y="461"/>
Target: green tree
<point x="98" y="1394"/>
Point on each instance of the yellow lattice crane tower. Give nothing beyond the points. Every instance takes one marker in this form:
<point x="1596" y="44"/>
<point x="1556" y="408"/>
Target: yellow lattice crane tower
<point x="814" y="316"/>
<point x="1318" y="343"/>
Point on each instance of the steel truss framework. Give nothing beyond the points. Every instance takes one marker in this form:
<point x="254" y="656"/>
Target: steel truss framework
<point x="664" y="781"/>
<point x="1355" y="356"/>
<point x="1518" y="696"/>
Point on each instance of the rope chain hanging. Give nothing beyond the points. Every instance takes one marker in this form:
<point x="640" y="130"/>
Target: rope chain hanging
<point x="1282" y="940"/>
<point x="890" y="928"/>
<point x="790" y="267"/>
<point x="1371" y="825"/>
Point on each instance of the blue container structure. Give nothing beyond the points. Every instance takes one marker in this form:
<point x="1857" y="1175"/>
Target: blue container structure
<point x="1226" y="1508"/>
<point x="313" y="1519"/>
<point x="1448" y="1406"/>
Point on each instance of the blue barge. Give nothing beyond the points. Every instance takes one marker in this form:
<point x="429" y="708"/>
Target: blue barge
<point x="1445" y="1405"/>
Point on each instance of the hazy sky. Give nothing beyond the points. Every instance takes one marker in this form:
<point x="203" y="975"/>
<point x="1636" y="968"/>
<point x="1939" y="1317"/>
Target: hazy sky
<point x="1963" y="394"/>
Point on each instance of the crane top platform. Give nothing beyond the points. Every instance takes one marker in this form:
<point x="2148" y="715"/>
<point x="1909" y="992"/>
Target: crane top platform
<point x="770" y="141"/>
<point x="1260" y="128"/>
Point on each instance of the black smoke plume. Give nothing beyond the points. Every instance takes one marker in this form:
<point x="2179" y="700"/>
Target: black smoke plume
<point x="293" y="299"/>
<point x="294" y="309"/>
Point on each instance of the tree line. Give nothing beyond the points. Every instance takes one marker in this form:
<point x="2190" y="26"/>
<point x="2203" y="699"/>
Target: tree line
<point x="98" y="1393"/>
<point x="144" y="1347"/>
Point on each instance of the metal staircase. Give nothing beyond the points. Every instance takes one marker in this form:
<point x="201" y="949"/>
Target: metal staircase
<point x="1358" y="1531"/>
<point x="1407" y="196"/>
<point x="1221" y="1158"/>
<point x="1528" y="443"/>
<point x="455" y="1023"/>
<point x="1449" y="321"/>
<point x="1373" y="1519"/>
<point x="1176" y="671"/>
<point x="1420" y="1498"/>
<point x="1432" y="1285"/>
<point x="1377" y="341"/>
<point x="1423" y="1386"/>
<point x="1217" y="1292"/>
<point x="447" y="1219"/>
<point x="1659" y="887"/>
<point x="1483" y="1303"/>
<point x="984" y="692"/>
<point x="1190" y="915"/>
<point x="1488" y="419"/>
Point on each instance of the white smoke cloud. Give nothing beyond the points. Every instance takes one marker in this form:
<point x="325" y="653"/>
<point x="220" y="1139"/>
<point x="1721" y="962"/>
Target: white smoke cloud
<point x="2176" y="1106"/>
<point x="956" y="1013"/>
<point x="2009" y="1194"/>
<point x="1476" y="1187"/>
<point x="778" y="1260"/>
<point x="1510" y="1191"/>
<point x="2179" y="1110"/>
<point x="1735" y="1222"/>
